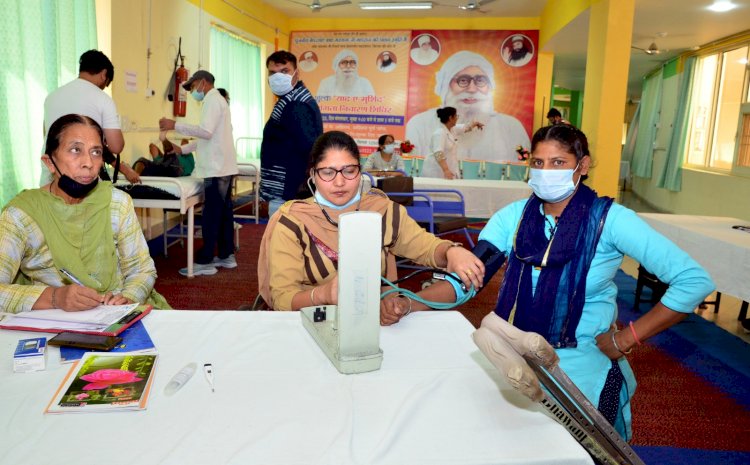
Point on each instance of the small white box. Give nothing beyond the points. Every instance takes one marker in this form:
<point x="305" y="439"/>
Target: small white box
<point x="29" y="355"/>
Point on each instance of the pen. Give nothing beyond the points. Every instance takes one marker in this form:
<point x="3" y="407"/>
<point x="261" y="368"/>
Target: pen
<point x="70" y="276"/>
<point x="208" y="370"/>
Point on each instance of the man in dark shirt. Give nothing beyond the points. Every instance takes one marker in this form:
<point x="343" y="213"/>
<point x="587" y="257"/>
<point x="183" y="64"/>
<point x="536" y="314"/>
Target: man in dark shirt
<point x="289" y="134"/>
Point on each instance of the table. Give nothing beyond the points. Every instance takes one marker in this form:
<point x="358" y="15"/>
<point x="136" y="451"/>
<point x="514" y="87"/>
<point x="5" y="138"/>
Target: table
<point x="724" y="252"/>
<point x="483" y="197"/>
<point x="279" y="400"/>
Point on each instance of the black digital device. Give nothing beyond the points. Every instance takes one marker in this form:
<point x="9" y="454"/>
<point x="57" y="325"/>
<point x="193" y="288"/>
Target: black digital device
<point x="85" y="341"/>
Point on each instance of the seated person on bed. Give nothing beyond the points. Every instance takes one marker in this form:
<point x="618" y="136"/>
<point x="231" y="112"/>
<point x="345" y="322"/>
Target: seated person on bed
<point x="298" y="252"/>
<point x="168" y="163"/>
<point x="76" y="223"/>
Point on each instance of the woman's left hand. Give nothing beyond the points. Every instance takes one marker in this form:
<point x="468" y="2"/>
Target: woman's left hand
<point x="116" y="299"/>
<point x="604" y="343"/>
<point x="466" y="265"/>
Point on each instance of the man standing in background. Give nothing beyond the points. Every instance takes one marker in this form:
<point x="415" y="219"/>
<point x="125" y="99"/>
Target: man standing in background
<point x="289" y="134"/>
<point x="85" y="96"/>
<point x="216" y="163"/>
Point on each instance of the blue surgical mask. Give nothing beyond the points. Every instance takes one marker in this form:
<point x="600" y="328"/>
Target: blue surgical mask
<point x="326" y="203"/>
<point x="198" y="95"/>
<point x="553" y="185"/>
<point x="389" y="148"/>
<point x="280" y="83"/>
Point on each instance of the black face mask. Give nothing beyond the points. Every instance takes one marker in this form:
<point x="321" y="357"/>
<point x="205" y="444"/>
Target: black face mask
<point x="72" y="187"/>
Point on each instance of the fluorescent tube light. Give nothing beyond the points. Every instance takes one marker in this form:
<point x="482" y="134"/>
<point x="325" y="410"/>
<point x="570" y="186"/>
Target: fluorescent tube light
<point x="395" y="6"/>
<point x="720" y="6"/>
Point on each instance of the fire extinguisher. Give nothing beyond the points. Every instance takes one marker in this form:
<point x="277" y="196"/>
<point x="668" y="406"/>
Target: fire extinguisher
<point x="179" y="105"/>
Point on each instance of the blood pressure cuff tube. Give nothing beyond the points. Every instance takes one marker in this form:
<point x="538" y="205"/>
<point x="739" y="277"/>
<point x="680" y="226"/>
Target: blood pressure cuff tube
<point x="492" y="258"/>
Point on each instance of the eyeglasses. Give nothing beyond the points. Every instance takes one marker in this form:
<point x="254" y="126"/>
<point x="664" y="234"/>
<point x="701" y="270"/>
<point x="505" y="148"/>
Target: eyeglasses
<point x="345" y="63"/>
<point x="465" y="80"/>
<point x="328" y="174"/>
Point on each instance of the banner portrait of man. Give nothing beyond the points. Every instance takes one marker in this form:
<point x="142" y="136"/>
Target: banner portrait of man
<point x="471" y="76"/>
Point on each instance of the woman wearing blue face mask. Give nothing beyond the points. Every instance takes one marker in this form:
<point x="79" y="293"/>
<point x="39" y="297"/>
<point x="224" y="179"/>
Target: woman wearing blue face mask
<point x="298" y="253"/>
<point x="564" y="246"/>
<point x="384" y="160"/>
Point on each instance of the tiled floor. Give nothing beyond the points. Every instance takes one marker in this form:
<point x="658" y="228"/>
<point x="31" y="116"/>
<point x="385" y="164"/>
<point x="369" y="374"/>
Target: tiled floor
<point x="729" y="308"/>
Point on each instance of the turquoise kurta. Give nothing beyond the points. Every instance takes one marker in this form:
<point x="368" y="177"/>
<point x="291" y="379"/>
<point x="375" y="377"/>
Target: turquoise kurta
<point x="624" y="233"/>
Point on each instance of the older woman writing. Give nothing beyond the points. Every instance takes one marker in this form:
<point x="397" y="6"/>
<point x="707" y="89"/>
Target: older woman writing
<point x="78" y="224"/>
<point x="299" y="250"/>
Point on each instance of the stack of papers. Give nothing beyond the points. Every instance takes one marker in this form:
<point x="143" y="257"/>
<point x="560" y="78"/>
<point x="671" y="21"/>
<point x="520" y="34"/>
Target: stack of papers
<point x="97" y="320"/>
<point x="104" y="382"/>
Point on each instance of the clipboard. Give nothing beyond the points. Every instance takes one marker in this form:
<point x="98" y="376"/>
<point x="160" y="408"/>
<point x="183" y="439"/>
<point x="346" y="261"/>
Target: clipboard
<point x="112" y="330"/>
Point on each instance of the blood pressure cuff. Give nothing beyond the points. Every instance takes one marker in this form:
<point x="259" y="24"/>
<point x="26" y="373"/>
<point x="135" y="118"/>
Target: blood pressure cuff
<point x="492" y="258"/>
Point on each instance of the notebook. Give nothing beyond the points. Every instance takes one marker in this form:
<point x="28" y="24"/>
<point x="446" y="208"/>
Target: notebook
<point x="135" y="339"/>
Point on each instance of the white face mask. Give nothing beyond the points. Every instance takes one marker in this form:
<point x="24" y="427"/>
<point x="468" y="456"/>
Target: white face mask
<point x="280" y="83"/>
<point x="553" y="185"/>
<point x="389" y="148"/>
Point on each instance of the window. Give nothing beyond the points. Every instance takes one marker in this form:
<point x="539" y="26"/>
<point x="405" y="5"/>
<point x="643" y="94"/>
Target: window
<point x="720" y="88"/>
<point x="236" y="63"/>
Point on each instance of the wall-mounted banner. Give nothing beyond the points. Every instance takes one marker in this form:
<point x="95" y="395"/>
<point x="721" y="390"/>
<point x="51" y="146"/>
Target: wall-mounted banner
<point x="488" y="76"/>
<point x="359" y="79"/>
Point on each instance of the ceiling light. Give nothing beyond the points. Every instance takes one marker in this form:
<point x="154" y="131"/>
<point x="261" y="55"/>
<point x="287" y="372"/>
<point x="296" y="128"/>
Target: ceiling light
<point x="396" y="6"/>
<point x="721" y="6"/>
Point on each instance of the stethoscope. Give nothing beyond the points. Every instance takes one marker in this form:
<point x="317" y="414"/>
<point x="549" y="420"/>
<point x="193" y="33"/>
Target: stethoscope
<point x="311" y="184"/>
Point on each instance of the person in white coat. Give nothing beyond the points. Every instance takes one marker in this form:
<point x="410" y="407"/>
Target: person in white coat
<point x="442" y="162"/>
<point x="466" y="82"/>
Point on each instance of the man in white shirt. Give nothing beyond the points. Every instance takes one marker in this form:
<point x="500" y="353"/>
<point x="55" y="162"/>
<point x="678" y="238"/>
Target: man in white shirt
<point x="216" y="163"/>
<point x="85" y="96"/>
<point x="346" y="82"/>
<point x="466" y="81"/>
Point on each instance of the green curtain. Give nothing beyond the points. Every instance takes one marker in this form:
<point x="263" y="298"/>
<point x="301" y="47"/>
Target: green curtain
<point x="671" y="175"/>
<point x="643" y="155"/>
<point x="236" y="65"/>
<point x="629" y="148"/>
<point x="40" y="42"/>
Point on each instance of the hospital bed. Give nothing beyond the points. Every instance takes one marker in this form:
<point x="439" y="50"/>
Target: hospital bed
<point x="249" y="172"/>
<point x="187" y="192"/>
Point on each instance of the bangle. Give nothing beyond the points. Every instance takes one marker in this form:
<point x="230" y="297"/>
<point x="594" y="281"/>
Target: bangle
<point x="614" y="343"/>
<point x="54" y="305"/>
<point x="312" y="296"/>
<point x="409" y="299"/>
<point x="635" y="336"/>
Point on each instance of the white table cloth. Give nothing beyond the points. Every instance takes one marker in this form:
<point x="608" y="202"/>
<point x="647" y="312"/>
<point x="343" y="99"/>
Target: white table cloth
<point x="724" y="252"/>
<point x="278" y="400"/>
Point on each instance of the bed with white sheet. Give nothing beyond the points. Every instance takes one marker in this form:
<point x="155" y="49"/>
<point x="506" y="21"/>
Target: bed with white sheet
<point x="187" y="192"/>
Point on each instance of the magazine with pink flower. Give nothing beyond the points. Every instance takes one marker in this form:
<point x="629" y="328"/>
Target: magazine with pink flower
<point x="104" y="382"/>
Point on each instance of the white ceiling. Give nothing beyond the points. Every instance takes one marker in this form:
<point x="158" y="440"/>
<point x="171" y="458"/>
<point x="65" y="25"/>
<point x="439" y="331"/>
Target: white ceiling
<point x="686" y="23"/>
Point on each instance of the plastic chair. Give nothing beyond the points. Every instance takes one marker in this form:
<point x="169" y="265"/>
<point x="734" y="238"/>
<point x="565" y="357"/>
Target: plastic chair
<point x="417" y="162"/>
<point x="471" y="169"/>
<point x="494" y="170"/>
<point x="408" y="166"/>
<point x="516" y="172"/>
<point x="439" y="211"/>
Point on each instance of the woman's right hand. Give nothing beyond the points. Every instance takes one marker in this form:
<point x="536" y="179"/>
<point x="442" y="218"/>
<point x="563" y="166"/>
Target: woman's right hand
<point x="448" y="175"/>
<point x="74" y="298"/>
